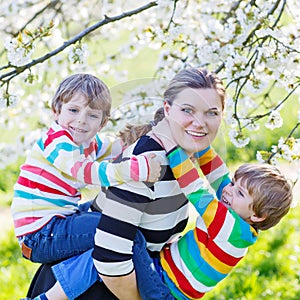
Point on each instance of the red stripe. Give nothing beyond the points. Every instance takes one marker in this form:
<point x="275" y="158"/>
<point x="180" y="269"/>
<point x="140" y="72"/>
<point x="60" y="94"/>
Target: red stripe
<point x="134" y="169"/>
<point x="215" y="250"/>
<point x="37" y="185"/>
<point x="25" y="221"/>
<point x="211" y="165"/>
<point x="217" y="222"/>
<point x="188" y="177"/>
<point x="181" y="279"/>
<point x="45" y="174"/>
<point x="88" y="173"/>
<point x="93" y="147"/>
<point x="56" y="135"/>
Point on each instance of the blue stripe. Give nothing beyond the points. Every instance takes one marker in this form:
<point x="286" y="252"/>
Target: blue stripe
<point x="204" y="269"/>
<point x="202" y="152"/>
<point x="40" y="144"/>
<point x="62" y="146"/>
<point x="99" y="143"/>
<point x="29" y="196"/>
<point x="102" y="174"/>
<point x="173" y="288"/>
<point x="177" y="157"/>
<point x="225" y="181"/>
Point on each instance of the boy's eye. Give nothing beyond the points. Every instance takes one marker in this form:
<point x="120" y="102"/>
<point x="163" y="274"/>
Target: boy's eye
<point x="241" y="194"/>
<point x="73" y="110"/>
<point x="95" y="116"/>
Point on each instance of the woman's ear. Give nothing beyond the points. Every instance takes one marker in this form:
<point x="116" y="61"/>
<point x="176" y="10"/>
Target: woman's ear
<point x="255" y="219"/>
<point x="167" y="107"/>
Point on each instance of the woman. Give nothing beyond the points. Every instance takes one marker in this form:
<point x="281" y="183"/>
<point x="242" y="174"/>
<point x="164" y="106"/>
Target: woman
<point x="193" y="106"/>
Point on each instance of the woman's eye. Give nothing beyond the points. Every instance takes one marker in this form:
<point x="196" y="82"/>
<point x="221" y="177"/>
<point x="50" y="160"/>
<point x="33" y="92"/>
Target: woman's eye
<point x="212" y="113"/>
<point x="73" y="110"/>
<point x="187" y="110"/>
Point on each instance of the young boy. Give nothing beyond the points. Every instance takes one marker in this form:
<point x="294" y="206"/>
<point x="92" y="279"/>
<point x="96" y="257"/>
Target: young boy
<point x="48" y="222"/>
<point x="256" y="199"/>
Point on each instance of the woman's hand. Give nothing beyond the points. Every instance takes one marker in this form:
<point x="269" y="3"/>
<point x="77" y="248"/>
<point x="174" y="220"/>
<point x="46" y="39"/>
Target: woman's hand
<point x="163" y="133"/>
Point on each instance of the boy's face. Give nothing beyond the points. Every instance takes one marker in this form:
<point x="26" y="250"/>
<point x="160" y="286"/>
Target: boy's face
<point x="79" y="119"/>
<point x="194" y="117"/>
<point x="235" y="196"/>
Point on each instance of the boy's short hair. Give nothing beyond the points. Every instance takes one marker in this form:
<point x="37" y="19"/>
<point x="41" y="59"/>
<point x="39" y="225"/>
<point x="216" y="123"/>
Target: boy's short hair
<point x="94" y="89"/>
<point x="271" y="192"/>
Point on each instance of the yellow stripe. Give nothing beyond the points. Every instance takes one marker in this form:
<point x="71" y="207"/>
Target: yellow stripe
<point x="207" y="157"/>
<point x="166" y="267"/>
<point x="171" y="275"/>
<point x="182" y="169"/>
<point x="210" y="213"/>
<point x="211" y="259"/>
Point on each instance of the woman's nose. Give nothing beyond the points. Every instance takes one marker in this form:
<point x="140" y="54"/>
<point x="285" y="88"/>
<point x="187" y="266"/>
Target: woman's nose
<point x="198" y="121"/>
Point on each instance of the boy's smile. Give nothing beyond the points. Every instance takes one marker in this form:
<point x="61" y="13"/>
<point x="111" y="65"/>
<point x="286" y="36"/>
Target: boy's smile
<point x="79" y="119"/>
<point x="235" y="196"/>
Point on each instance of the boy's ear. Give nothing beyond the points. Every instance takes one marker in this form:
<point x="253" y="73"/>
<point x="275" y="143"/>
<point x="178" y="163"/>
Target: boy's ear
<point x="103" y="123"/>
<point x="55" y="115"/>
<point x="255" y="219"/>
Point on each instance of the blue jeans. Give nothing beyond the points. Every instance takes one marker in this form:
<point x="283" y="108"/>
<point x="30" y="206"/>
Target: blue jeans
<point x="62" y="238"/>
<point x="148" y="273"/>
<point x="78" y="273"/>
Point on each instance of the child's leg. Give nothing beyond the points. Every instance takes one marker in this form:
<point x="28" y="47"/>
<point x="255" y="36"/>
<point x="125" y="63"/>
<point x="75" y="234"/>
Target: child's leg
<point x="150" y="284"/>
<point x="62" y="238"/>
<point x="75" y="275"/>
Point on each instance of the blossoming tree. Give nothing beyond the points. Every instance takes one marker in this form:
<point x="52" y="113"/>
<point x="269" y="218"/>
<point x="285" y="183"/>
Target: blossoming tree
<point x="254" y="46"/>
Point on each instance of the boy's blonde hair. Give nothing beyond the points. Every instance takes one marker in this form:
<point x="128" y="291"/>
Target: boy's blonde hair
<point x="271" y="192"/>
<point x="95" y="91"/>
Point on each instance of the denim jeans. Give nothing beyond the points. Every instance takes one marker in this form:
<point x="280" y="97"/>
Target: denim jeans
<point x="78" y="273"/>
<point x="148" y="273"/>
<point x="62" y="238"/>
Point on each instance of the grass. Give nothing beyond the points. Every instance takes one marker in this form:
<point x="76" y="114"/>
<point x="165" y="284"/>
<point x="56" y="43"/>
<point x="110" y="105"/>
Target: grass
<point x="270" y="270"/>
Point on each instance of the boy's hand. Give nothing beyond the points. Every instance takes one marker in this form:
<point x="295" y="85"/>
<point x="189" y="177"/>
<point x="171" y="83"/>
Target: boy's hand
<point x="163" y="133"/>
<point x="154" y="167"/>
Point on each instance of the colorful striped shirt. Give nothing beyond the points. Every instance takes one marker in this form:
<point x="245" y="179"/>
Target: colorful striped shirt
<point x="57" y="169"/>
<point x="160" y="211"/>
<point x="201" y="258"/>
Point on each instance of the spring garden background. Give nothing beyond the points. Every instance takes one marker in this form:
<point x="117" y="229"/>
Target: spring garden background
<point x="136" y="47"/>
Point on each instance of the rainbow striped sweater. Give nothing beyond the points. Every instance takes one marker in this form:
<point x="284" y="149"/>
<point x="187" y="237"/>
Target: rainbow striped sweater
<point x="205" y="255"/>
<point x="57" y="169"/>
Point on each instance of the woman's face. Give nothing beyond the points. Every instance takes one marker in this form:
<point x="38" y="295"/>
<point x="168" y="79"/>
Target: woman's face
<point x="194" y="117"/>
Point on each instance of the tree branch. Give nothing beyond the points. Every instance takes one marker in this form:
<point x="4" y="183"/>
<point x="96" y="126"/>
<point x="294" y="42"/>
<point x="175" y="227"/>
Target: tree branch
<point x="106" y="20"/>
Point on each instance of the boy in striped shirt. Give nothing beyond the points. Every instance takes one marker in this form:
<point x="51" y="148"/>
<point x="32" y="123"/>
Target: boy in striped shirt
<point x="256" y="199"/>
<point x="49" y="223"/>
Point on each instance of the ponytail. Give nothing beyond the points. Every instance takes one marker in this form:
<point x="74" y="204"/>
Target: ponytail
<point x="131" y="133"/>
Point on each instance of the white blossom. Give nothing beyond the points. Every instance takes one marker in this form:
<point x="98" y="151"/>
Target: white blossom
<point x="274" y="120"/>
<point x="238" y="139"/>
